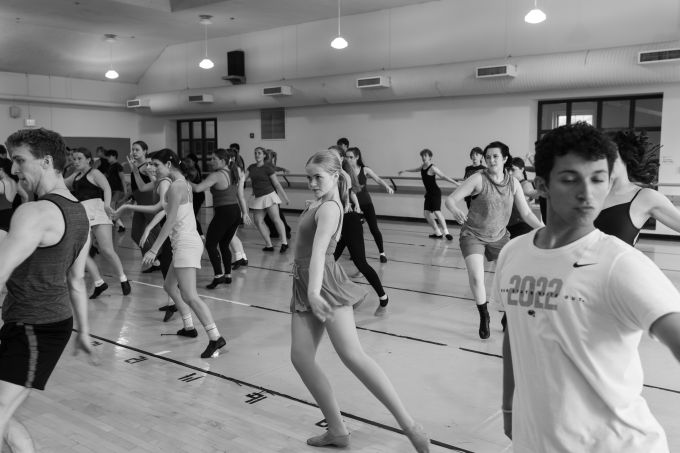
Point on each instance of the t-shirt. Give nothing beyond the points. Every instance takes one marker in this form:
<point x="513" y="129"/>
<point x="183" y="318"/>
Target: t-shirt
<point x="576" y="315"/>
<point x="260" y="178"/>
<point x="113" y="177"/>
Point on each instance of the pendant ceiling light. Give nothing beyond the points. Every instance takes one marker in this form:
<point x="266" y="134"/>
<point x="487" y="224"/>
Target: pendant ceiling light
<point x="339" y="42"/>
<point x="535" y="16"/>
<point x="111" y="73"/>
<point x="206" y="63"/>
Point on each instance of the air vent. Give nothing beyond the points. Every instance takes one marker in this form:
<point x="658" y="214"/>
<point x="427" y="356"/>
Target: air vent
<point x="659" y="56"/>
<point x="373" y="82"/>
<point x="137" y="103"/>
<point x="506" y="70"/>
<point x="283" y="90"/>
<point x="201" y="98"/>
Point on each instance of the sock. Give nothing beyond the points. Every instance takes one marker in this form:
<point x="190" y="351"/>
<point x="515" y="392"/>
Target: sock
<point x="99" y="282"/>
<point x="243" y="255"/>
<point x="238" y="256"/>
<point x="446" y="231"/>
<point x="188" y="322"/>
<point x="213" y="333"/>
<point x="382" y="253"/>
<point x="384" y="300"/>
<point x="220" y="275"/>
<point x="122" y="278"/>
<point x="437" y="231"/>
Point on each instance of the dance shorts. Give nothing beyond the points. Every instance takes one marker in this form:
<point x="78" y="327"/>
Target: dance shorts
<point x="264" y="201"/>
<point x="94" y="207"/>
<point x="471" y="245"/>
<point x="187" y="250"/>
<point x="5" y="219"/>
<point x="433" y="202"/>
<point x="29" y="352"/>
<point x="336" y="287"/>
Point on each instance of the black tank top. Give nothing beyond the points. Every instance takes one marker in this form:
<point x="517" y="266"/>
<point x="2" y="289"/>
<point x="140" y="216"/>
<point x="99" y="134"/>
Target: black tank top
<point x="37" y="290"/>
<point x="362" y="195"/>
<point x="83" y="189"/>
<point x="142" y="198"/>
<point x="615" y="220"/>
<point x="429" y="181"/>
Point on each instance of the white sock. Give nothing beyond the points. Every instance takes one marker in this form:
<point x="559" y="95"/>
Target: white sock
<point x="211" y="330"/>
<point x="238" y="256"/>
<point x="99" y="282"/>
<point x="218" y="276"/>
<point x="122" y="278"/>
<point x="188" y="322"/>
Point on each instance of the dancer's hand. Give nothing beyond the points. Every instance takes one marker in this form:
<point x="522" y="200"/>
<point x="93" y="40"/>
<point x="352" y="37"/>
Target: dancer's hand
<point x="246" y="219"/>
<point x="149" y="258"/>
<point x="110" y="212"/>
<point x="84" y="343"/>
<point x="389" y="190"/>
<point x="320" y="307"/>
<point x="459" y="216"/>
<point x="144" y="238"/>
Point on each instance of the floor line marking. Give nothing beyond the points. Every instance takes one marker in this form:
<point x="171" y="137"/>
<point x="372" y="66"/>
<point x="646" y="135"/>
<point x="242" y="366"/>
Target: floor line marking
<point x="270" y="391"/>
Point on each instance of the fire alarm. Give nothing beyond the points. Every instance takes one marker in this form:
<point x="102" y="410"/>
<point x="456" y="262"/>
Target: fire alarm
<point x="14" y="111"/>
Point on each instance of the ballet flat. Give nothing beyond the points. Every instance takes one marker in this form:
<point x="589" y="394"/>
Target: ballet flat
<point x="329" y="440"/>
<point x="419" y="438"/>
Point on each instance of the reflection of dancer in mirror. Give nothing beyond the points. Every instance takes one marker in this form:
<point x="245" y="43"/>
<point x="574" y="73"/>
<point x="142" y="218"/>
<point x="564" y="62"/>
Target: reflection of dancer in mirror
<point x="432" y="207"/>
<point x="628" y="206"/>
<point x="484" y="231"/>
<point x="322" y="299"/>
<point x="187" y="248"/>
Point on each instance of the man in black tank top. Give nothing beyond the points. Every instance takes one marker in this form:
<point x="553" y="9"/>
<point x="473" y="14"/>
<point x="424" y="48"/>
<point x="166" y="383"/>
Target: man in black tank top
<point x="43" y="266"/>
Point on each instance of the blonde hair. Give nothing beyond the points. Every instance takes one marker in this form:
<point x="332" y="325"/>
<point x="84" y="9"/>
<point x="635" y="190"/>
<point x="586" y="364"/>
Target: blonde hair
<point x="331" y="162"/>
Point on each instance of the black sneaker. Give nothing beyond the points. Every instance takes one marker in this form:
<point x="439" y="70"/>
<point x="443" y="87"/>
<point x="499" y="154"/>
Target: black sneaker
<point x="125" y="286"/>
<point x="166" y="308"/>
<point x="449" y="237"/>
<point x="98" y="290"/>
<point x="484" y="321"/>
<point x="191" y="333"/>
<point x="121" y="229"/>
<point x="436" y="236"/>
<point x="238" y="263"/>
<point x="284" y="247"/>
<point x="169" y="313"/>
<point x="383" y="259"/>
<point x="216" y="281"/>
<point x="213" y="347"/>
<point x="268" y="249"/>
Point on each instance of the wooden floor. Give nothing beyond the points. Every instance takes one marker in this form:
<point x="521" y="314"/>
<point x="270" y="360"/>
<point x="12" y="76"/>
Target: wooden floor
<point x="152" y="392"/>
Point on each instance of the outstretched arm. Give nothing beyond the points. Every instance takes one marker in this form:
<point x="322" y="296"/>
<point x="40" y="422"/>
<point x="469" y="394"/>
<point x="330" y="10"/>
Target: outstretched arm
<point x="410" y="170"/>
<point x="523" y="208"/>
<point x="370" y="173"/>
<point x="440" y="174"/>
<point x="204" y="185"/>
<point x="663" y="210"/>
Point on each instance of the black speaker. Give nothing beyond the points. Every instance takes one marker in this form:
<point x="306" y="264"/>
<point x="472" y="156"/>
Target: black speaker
<point x="236" y="67"/>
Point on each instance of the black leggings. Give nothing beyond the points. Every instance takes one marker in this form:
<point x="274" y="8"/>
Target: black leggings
<point x="352" y="237"/>
<point x="164" y="255"/>
<point x="272" y="227"/>
<point x="221" y="230"/>
<point x="199" y="198"/>
<point x="372" y="220"/>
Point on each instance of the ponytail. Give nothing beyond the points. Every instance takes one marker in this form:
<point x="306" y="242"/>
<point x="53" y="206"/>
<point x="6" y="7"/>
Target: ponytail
<point x="343" y="189"/>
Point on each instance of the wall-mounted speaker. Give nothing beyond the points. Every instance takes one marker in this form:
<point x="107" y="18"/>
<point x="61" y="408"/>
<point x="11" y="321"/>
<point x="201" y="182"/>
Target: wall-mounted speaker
<point x="236" y="67"/>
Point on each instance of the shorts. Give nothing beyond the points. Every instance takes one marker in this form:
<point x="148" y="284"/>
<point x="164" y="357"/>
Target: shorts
<point x="187" y="250"/>
<point x="5" y="218"/>
<point x="94" y="207"/>
<point x="264" y="201"/>
<point x="471" y="245"/>
<point x="29" y="352"/>
<point x="433" y="202"/>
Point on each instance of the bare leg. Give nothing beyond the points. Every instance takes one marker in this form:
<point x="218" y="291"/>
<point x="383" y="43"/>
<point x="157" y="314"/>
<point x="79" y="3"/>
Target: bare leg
<point x="343" y="334"/>
<point x="170" y="285"/>
<point x="306" y="331"/>
<point x="442" y="221"/>
<point x="258" y="218"/>
<point x="104" y="239"/>
<point x="93" y="269"/>
<point x="186" y="277"/>
<point x="273" y="211"/>
<point x="430" y="220"/>
<point x="13" y="432"/>
<point x="475" y="269"/>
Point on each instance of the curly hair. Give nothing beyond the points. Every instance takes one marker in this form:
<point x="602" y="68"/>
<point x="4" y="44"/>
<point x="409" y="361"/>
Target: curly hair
<point x="640" y="157"/>
<point x="579" y="138"/>
<point x="41" y="142"/>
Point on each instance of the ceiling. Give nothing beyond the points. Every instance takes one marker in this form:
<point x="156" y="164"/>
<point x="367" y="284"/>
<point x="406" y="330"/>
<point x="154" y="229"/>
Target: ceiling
<point x="66" y="37"/>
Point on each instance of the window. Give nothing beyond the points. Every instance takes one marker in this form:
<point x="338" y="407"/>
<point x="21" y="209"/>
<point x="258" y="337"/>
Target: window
<point x="197" y="136"/>
<point x="273" y="124"/>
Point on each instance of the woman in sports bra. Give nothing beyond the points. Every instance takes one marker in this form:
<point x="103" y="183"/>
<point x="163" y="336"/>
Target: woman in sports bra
<point x="92" y="189"/>
<point x="322" y="299"/>
<point x="226" y="188"/>
<point x="8" y="193"/>
<point x="628" y="207"/>
<point x="187" y="248"/>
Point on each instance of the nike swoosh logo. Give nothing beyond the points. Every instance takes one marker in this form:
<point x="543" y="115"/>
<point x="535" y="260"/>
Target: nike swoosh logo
<point x="584" y="264"/>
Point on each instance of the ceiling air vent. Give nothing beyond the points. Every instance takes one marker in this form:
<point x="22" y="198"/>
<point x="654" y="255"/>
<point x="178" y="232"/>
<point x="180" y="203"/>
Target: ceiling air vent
<point x="201" y="98"/>
<point x="506" y="70"/>
<point x="373" y="82"/>
<point x="659" y="56"/>
<point x="283" y="90"/>
<point x="137" y="103"/>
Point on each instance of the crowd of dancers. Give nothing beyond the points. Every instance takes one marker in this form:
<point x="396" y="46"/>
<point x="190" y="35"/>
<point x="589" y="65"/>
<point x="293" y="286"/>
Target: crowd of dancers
<point x="558" y="318"/>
